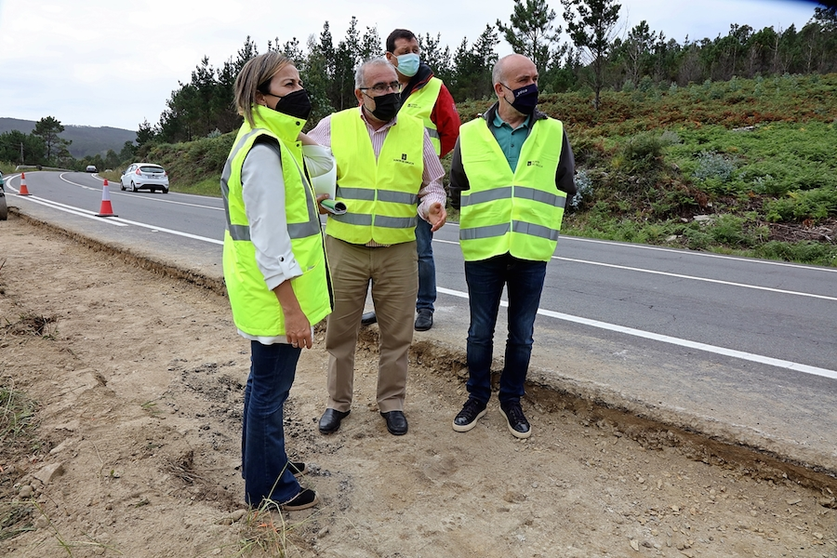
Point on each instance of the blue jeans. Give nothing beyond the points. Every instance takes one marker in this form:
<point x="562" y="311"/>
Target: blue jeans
<point x="426" y="266"/>
<point x="264" y="462"/>
<point x="486" y="278"/>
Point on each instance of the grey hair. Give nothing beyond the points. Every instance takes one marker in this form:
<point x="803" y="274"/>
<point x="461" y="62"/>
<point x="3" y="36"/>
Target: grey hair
<point x="497" y="72"/>
<point x="361" y="69"/>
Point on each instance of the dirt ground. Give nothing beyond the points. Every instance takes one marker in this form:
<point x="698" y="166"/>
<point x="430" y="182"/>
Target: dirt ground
<point x="137" y="382"/>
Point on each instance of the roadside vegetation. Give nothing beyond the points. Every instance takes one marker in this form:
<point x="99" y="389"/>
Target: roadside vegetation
<point x="17" y="428"/>
<point x="745" y="166"/>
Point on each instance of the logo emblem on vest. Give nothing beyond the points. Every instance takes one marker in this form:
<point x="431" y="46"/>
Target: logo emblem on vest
<point x="403" y="160"/>
<point x="534" y="164"/>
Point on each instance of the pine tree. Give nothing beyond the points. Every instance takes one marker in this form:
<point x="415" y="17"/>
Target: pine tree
<point x="47" y="129"/>
<point x="531" y="32"/>
<point x="591" y="25"/>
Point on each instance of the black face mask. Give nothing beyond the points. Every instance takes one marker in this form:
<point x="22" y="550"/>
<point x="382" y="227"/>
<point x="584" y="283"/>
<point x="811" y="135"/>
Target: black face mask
<point x="386" y="106"/>
<point x="525" y="98"/>
<point x="296" y="104"/>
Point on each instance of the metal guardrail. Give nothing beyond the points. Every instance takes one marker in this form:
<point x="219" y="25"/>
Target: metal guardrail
<point x="40" y="167"/>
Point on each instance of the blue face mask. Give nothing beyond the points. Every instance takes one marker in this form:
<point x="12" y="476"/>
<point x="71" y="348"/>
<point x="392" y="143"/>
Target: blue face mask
<point x="525" y="98"/>
<point x="408" y="64"/>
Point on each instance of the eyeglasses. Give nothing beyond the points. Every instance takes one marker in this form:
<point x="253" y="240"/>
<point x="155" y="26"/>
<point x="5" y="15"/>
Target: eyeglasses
<point x="383" y="87"/>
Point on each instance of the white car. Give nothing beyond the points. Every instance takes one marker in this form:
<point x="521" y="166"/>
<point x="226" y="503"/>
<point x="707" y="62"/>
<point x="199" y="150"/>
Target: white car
<point x="91" y="168"/>
<point x="145" y="176"/>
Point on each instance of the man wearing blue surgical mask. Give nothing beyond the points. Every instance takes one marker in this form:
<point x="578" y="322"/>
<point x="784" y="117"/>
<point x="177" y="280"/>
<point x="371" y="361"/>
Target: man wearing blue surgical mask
<point x="424" y="96"/>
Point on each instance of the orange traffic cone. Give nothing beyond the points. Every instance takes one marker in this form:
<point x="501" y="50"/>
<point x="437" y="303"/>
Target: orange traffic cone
<point x="24" y="191"/>
<point x="106" y="209"/>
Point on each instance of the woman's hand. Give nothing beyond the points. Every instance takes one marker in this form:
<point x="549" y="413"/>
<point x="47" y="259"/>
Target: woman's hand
<point x="298" y="330"/>
<point x="297" y="326"/>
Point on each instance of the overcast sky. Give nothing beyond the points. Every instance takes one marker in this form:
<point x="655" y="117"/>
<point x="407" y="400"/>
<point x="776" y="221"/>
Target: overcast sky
<point x="116" y="62"/>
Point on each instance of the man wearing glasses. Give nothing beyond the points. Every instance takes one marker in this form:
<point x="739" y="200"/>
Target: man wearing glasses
<point x="425" y="96"/>
<point x="388" y="176"/>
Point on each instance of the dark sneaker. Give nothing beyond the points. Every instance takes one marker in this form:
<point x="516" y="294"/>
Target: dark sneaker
<point x="424" y="319"/>
<point x="298" y="468"/>
<point x="518" y="425"/>
<point x="307" y="498"/>
<point x="468" y="416"/>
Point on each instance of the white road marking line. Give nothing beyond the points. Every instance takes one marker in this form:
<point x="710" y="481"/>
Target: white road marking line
<point x="760" y="359"/>
<point x="75" y="211"/>
<point x="171" y="231"/>
<point x="693" y="278"/>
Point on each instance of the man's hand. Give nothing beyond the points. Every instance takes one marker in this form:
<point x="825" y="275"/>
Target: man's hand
<point x="437" y="216"/>
<point x="320" y="198"/>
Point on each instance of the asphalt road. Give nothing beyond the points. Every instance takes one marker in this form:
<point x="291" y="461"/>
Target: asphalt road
<point x="739" y="349"/>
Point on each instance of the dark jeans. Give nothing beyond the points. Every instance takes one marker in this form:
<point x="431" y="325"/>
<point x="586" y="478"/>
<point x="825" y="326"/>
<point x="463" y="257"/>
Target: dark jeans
<point x="486" y="278"/>
<point x="426" y="266"/>
<point x="264" y="462"/>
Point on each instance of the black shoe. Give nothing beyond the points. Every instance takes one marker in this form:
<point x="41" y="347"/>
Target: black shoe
<point x="330" y="420"/>
<point x="518" y="425"/>
<point x="396" y="422"/>
<point x="368" y="318"/>
<point x="298" y="468"/>
<point x="468" y="416"/>
<point x="424" y="320"/>
<point x="307" y="498"/>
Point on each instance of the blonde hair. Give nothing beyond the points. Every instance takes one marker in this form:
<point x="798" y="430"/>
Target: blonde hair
<point x="256" y="72"/>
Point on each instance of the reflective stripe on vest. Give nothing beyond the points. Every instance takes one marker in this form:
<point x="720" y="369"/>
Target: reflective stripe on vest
<point x="309" y="227"/>
<point x="420" y="104"/>
<point x="503" y="211"/>
<point x="256" y="309"/>
<point x="380" y="196"/>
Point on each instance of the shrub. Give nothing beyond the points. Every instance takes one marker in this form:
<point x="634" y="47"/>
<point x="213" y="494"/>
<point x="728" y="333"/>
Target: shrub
<point x="713" y="165"/>
<point x="584" y="187"/>
<point x="697" y="239"/>
<point x="729" y="229"/>
<point x="671" y="200"/>
<point x="814" y="205"/>
<point x="769" y="186"/>
<point x="814" y="253"/>
<point x="644" y="152"/>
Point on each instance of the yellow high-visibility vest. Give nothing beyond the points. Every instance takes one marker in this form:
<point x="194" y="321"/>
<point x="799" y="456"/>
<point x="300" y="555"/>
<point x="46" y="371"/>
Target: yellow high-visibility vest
<point x="256" y="309"/>
<point x="380" y="196"/>
<point x="518" y="212"/>
<point x="420" y="104"/>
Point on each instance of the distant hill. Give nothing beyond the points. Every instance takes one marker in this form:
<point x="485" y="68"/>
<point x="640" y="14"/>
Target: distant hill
<point x="87" y="140"/>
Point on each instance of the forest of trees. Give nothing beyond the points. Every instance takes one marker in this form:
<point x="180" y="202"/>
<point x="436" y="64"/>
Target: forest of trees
<point x="597" y="55"/>
<point x="44" y="146"/>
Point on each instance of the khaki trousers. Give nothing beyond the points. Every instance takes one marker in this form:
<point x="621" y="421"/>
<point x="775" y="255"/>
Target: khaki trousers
<point x="393" y="271"/>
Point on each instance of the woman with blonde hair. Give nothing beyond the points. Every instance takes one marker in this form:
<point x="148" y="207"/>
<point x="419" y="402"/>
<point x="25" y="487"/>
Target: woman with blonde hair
<point x="274" y="265"/>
